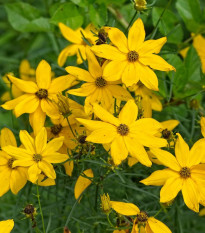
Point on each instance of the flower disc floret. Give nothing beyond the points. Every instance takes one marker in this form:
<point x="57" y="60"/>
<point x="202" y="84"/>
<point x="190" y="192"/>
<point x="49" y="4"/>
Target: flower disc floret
<point x="142" y="217"/>
<point x="56" y="129"/>
<point x="185" y="172"/>
<point x="123" y="129"/>
<point x="100" y="82"/>
<point x="42" y="93"/>
<point x="132" y="56"/>
<point x="37" y="158"/>
<point x="10" y="162"/>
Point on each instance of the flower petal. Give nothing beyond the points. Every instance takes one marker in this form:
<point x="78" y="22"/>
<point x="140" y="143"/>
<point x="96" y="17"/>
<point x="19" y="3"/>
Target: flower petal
<point x="166" y="158"/>
<point x="7" y="138"/>
<point x="109" y="52"/>
<point x="17" y="153"/>
<point x="9" y="105"/>
<point x="171" y="188"/>
<point x="27" y="141"/>
<point x="157" y="226"/>
<point x="130" y="74"/>
<point x="53" y="146"/>
<point x="86" y="89"/>
<point x="119" y="92"/>
<point x="68" y="51"/>
<point x="41" y="141"/>
<point x="136" y="35"/>
<point x="43" y="75"/>
<point x="18" y="179"/>
<point x="7" y="226"/>
<point x="33" y="172"/>
<point x="4" y="179"/>
<point x="82" y="182"/>
<point x="119" y="150"/>
<point x="80" y="74"/>
<point x="202" y="123"/>
<point x="197" y="153"/>
<point x="127" y="209"/>
<point x="50" y="108"/>
<point x="47" y="169"/>
<point x="93" y="125"/>
<point x="170" y="124"/>
<point x="129" y="113"/>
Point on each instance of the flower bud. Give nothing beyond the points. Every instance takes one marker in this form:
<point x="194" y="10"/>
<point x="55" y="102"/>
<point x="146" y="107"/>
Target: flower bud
<point x="105" y="203"/>
<point x="140" y="5"/>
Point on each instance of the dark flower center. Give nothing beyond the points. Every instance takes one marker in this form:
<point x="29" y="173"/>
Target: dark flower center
<point x="142" y="217"/>
<point x="123" y="129"/>
<point x="185" y="172"/>
<point x="29" y="209"/>
<point x="100" y="82"/>
<point x="37" y="158"/>
<point x="166" y="133"/>
<point x="132" y="56"/>
<point x="10" y="163"/>
<point x="56" y="129"/>
<point x="82" y="139"/>
<point x="42" y="93"/>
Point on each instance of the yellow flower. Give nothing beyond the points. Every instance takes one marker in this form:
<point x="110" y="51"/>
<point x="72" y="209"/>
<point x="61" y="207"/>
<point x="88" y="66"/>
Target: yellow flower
<point x="199" y="45"/>
<point x="125" y="134"/>
<point x="38" y="97"/>
<point x="140" y="5"/>
<point x="184" y="173"/>
<point x="78" y="45"/>
<point x="10" y="178"/>
<point x="96" y="87"/>
<point x="149" y="100"/>
<point x="105" y="203"/>
<point x="37" y="154"/>
<point x="132" y="57"/>
<point x="142" y="222"/>
<point x="6" y="226"/>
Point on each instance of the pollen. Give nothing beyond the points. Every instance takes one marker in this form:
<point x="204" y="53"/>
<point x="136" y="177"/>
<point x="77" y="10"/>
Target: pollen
<point x="42" y="93"/>
<point x="56" y="129"/>
<point x="132" y="56"/>
<point x="123" y="129"/>
<point x="10" y="163"/>
<point x="142" y="217"/>
<point x="100" y="82"/>
<point x="185" y="172"/>
<point x="37" y="158"/>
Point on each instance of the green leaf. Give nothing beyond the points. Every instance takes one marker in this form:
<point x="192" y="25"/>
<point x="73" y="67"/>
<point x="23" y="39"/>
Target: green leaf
<point x="26" y="18"/>
<point x="68" y="14"/>
<point x="98" y="14"/>
<point x="168" y="25"/>
<point x="191" y="13"/>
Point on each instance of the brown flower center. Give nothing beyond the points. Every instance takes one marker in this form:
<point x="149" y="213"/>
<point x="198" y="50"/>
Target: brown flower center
<point x="166" y="133"/>
<point x="42" y="93"/>
<point x="82" y="139"/>
<point x="142" y="217"/>
<point x="10" y="163"/>
<point x="132" y="56"/>
<point x="185" y="172"/>
<point x="29" y="209"/>
<point x="123" y="129"/>
<point x="37" y="158"/>
<point x="56" y="129"/>
<point x="100" y="82"/>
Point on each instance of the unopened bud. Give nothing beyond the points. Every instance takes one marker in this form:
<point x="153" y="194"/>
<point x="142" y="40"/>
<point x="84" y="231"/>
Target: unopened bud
<point x="140" y="5"/>
<point x="63" y="105"/>
<point x="105" y="203"/>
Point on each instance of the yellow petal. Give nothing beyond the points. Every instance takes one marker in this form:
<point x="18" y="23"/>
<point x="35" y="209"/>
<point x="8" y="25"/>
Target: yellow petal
<point x="13" y="103"/>
<point x="130" y="74"/>
<point x="6" y="226"/>
<point x="18" y="153"/>
<point x="86" y="89"/>
<point x="129" y="113"/>
<point x="159" y="177"/>
<point x="202" y="123"/>
<point x="119" y="92"/>
<point x="109" y="52"/>
<point x="93" y="66"/>
<point x="69" y="167"/>
<point x="7" y="138"/>
<point x="137" y="151"/>
<point x="55" y="157"/>
<point x="37" y="120"/>
<point x="157" y="226"/>
<point x="47" y="169"/>
<point x="81" y="55"/>
<point x="45" y="182"/>
<point x="118" y="38"/>
<point x="170" y="124"/>
<point x="80" y="74"/>
<point x="171" y="188"/>
<point x="152" y="46"/>
<point x="25" y="86"/>
<point x="68" y="51"/>
<point x="18" y="179"/>
<point x="155" y="62"/>
<point x="82" y="182"/>
<point x="182" y="151"/>
<point x="202" y="212"/>
<point x="24" y="69"/>
<point x="41" y="141"/>
<point x="50" y="108"/>
<point x="61" y="83"/>
<point x="197" y="153"/>
<point x="184" y="51"/>
<point x="132" y="161"/>
<point x="69" y="34"/>
<point x="136" y="35"/>
<point x="119" y="151"/>
<point x="93" y="125"/>
<point x="4" y="179"/>
<point x="27" y="141"/>
<point x="105" y="115"/>
<point x="198" y="173"/>
<point x="43" y="75"/>
<point x="166" y="158"/>
<point x="123" y="208"/>
<point x="33" y="172"/>
<point x="53" y="146"/>
<point x="190" y="194"/>
<point x="114" y="69"/>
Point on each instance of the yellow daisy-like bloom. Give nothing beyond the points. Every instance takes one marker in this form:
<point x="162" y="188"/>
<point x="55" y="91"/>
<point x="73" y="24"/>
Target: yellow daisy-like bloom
<point x="142" y="222"/>
<point x="184" y="173"/>
<point x="199" y="45"/>
<point x="37" y="154"/>
<point x="97" y="88"/>
<point x="6" y="226"/>
<point x="149" y="100"/>
<point x="78" y="45"/>
<point x="125" y="134"/>
<point x="10" y="178"/>
<point x="132" y="58"/>
<point x="37" y="99"/>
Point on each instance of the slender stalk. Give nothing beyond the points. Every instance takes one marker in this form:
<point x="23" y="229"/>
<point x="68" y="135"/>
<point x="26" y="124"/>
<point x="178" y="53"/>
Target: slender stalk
<point x="41" y="212"/>
<point x="110" y="221"/>
<point x="70" y="127"/>
<point x="131" y="21"/>
<point x="118" y="16"/>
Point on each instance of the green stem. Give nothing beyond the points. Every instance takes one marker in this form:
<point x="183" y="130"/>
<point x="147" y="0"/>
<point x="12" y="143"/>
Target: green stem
<point x="39" y="203"/>
<point x="110" y="221"/>
<point x="118" y="16"/>
<point x="131" y="21"/>
<point x="70" y="127"/>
